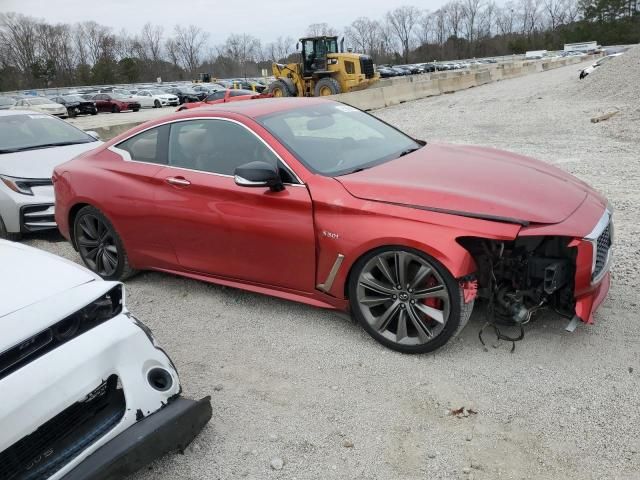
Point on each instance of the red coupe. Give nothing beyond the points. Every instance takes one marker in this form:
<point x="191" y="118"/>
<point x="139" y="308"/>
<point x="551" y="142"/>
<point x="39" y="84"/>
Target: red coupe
<point x="225" y="96"/>
<point x="318" y="202"/>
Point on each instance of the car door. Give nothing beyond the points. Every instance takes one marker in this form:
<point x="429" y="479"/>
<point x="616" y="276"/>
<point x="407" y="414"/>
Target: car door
<point x="101" y="102"/>
<point x="132" y="186"/>
<point x="219" y="228"/>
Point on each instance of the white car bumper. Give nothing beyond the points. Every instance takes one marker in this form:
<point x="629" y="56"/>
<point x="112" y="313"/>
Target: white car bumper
<point x="112" y="363"/>
<point x="27" y="213"/>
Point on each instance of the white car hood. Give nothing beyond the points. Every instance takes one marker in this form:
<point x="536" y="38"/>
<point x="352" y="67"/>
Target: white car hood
<point x="30" y="276"/>
<point x="40" y="163"/>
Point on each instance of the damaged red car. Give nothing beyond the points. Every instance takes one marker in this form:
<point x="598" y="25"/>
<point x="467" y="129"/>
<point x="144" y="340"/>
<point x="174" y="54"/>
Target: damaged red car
<point x="317" y="202"/>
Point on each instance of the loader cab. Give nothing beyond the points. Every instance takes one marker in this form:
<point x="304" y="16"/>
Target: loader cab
<point x="314" y="53"/>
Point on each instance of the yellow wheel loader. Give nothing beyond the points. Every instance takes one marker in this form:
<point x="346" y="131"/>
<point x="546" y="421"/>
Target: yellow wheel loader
<point x="324" y="70"/>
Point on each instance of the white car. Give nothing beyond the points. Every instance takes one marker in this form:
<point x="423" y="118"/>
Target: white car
<point x="31" y="145"/>
<point x="42" y="105"/>
<point x="158" y="98"/>
<point x="86" y="391"/>
<point x="586" y="71"/>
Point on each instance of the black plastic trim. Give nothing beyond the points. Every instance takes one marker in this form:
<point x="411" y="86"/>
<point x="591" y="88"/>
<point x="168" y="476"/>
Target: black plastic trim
<point x="171" y="428"/>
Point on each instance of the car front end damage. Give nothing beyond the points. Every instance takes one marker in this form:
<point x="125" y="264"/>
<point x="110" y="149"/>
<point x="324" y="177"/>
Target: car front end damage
<point x="539" y="270"/>
<point x="89" y="395"/>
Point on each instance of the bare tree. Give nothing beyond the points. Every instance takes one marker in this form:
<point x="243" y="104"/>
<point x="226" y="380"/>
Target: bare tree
<point x="320" y="30"/>
<point x="242" y="48"/>
<point x="364" y="35"/>
<point x="426" y="27"/>
<point x="402" y="22"/>
<point x="506" y="19"/>
<point x="279" y="50"/>
<point x="529" y="12"/>
<point x="151" y="41"/>
<point x="19" y="39"/>
<point x="472" y="10"/>
<point x="189" y="43"/>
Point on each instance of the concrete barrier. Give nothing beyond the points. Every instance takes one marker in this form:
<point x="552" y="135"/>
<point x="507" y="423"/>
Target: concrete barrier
<point x="392" y="91"/>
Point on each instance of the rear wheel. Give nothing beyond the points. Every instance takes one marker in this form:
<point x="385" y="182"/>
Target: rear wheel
<point x="327" y="86"/>
<point x="280" y="89"/>
<point x="100" y="246"/>
<point x="406" y="300"/>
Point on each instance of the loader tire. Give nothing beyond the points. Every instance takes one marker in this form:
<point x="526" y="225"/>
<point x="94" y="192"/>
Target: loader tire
<point x="280" y="89"/>
<point x="327" y="86"/>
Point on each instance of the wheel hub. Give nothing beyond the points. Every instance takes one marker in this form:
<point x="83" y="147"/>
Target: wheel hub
<point x="403" y="296"/>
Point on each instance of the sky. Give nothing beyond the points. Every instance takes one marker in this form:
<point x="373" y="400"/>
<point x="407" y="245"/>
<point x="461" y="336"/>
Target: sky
<point x="267" y="20"/>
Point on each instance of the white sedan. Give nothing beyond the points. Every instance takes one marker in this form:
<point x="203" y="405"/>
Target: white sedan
<point x="86" y="390"/>
<point x="41" y="104"/>
<point x="158" y="98"/>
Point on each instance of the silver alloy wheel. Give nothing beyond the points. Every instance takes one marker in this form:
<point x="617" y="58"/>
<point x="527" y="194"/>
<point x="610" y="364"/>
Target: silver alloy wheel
<point x="97" y="245"/>
<point x="403" y="297"/>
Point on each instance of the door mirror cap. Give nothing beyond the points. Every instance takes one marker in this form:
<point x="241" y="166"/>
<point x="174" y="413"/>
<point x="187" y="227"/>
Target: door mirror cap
<point x="93" y="134"/>
<point x="258" y="174"/>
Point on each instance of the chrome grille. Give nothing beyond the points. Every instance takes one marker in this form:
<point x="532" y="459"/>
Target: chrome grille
<point x="602" y="246"/>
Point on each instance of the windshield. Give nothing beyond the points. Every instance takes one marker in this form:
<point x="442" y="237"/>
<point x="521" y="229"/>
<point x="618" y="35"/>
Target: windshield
<point x="334" y="139"/>
<point x="7" y="101"/>
<point x="119" y="96"/>
<point x="30" y="131"/>
<point x="74" y="98"/>
<point x="188" y="90"/>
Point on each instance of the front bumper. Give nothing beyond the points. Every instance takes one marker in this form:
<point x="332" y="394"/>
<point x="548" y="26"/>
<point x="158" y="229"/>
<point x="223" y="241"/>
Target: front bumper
<point x="170" y="429"/>
<point x="27" y="213"/>
<point x="57" y="382"/>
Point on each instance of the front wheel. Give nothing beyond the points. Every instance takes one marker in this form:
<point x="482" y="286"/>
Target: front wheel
<point x="115" y="109"/>
<point x="156" y="104"/>
<point x="406" y="300"/>
<point x="279" y="88"/>
<point x="100" y="246"/>
<point x="327" y="86"/>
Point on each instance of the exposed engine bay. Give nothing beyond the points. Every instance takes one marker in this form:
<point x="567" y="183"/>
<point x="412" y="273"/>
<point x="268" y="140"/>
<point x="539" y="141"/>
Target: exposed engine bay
<point x="517" y="278"/>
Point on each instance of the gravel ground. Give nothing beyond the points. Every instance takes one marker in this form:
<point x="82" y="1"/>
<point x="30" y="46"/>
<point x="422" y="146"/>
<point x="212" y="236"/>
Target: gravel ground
<point x="302" y="393"/>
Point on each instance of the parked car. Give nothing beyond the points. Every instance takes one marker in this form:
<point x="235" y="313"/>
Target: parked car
<point x="31" y="144"/>
<point x="401" y="70"/>
<point x="115" y="103"/>
<point x="223" y="96"/>
<point x="598" y="63"/>
<point x="159" y="98"/>
<point x="354" y="214"/>
<point x="6" y="102"/>
<point x="386" y="72"/>
<point x="40" y="104"/>
<point x="427" y="68"/>
<point x="186" y="95"/>
<point x="76" y="105"/>
<point x="86" y="390"/>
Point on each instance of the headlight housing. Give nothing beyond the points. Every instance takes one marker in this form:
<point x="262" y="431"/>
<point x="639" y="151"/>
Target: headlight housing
<point x="95" y="313"/>
<point x="23" y="185"/>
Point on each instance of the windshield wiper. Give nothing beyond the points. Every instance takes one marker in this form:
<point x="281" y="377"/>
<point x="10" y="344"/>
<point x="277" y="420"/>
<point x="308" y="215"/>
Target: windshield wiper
<point x="44" y="145"/>
<point x="408" y="151"/>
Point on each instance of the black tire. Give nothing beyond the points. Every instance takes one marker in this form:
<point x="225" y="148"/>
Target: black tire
<point x="14" y="237"/>
<point x="136" y="109"/>
<point x="94" y="112"/>
<point x="280" y="88"/>
<point x="115" y="109"/>
<point x="157" y="104"/>
<point x="326" y="86"/>
<point x="109" y="237"/>
<point x="71" y="113"/>
<point x="457" y="315"/>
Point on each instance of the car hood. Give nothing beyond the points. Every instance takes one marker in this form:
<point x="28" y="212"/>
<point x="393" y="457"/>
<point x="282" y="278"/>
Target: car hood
<point x="40" y="163"/>
<point x="33" y="275"/>
<point x="472" y="181"/>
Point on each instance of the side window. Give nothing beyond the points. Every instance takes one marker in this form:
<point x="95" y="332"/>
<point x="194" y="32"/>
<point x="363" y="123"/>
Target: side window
<point x="216" y="95"/>
<point x="216" y="146"/>
<point x="149" y="146"/>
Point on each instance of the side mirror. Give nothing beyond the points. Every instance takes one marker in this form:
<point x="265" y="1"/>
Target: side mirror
<point x="258" y="174"/>
<point x="297" y="46"/>
<point x="93" y="134"/>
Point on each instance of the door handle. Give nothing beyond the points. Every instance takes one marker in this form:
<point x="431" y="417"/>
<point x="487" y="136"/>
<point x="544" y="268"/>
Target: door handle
<point x="178" y="181"/>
